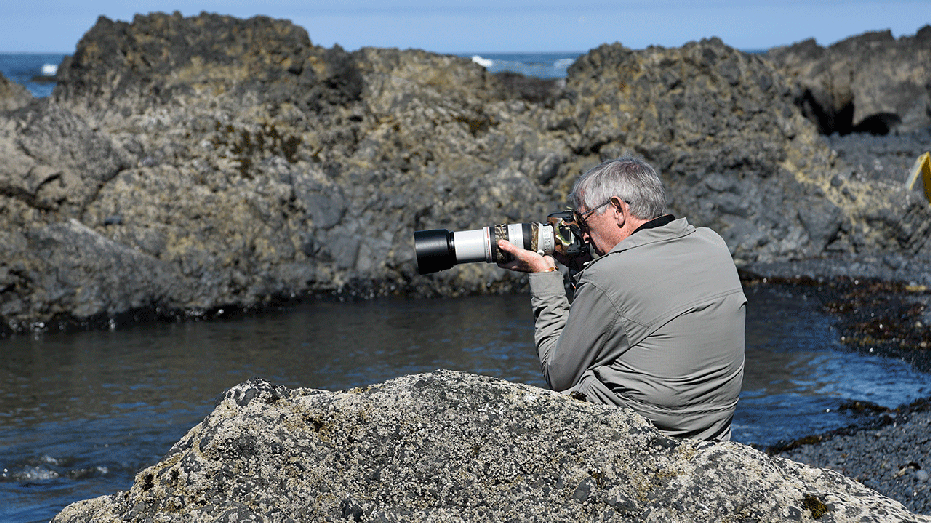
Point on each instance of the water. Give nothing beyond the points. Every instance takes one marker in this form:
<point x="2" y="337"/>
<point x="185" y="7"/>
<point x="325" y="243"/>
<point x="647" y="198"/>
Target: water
<point x="81" y="413"/>
<point x="540" y="65"/>
<point x="26" y="68"/>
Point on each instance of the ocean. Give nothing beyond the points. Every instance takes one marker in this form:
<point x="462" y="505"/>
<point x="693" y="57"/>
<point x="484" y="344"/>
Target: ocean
<point x="36" y="71"/>
<point x="539" y="65"/>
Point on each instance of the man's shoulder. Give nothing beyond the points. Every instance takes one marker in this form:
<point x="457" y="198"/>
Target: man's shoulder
<point x="668" y="248"/>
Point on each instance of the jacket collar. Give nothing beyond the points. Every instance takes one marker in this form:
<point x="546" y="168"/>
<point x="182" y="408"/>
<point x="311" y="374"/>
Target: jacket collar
<point x="655" y="231"/>
<point x="655" y="222"/>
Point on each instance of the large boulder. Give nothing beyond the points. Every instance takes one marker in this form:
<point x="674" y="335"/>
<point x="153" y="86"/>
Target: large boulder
<point x="867" y="83"/>
<point x="448" y="446"/>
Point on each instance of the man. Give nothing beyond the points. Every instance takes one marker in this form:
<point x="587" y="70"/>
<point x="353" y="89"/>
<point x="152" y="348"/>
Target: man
<point x="657" y="320"/>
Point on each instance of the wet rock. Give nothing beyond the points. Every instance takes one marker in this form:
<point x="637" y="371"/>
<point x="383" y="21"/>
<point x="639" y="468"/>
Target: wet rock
<point x="459" y="447"/>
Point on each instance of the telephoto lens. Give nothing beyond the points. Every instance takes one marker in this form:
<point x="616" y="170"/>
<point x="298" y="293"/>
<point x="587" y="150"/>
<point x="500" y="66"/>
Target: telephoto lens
<point x="439" y="249"/>
<point x="434" y="250"/>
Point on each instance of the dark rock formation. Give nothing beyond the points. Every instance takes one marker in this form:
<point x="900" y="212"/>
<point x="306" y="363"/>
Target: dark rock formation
<point x="241" y="164"/>
<point x="869" y="83"/>
<point x="448" y="446"/>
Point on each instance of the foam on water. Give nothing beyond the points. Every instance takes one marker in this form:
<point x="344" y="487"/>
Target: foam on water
<point x="484" y="62"/>
<point x="539" y="65"/>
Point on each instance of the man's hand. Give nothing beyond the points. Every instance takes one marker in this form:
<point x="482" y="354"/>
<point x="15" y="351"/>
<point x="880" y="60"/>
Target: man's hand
<point x="524" y="260"/>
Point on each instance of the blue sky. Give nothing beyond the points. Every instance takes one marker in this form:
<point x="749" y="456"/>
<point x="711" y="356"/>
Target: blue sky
<point x="459" y="26"/>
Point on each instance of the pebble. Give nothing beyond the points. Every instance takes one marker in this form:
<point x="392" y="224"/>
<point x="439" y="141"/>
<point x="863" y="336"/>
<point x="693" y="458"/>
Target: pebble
<point x="894" y="460"/>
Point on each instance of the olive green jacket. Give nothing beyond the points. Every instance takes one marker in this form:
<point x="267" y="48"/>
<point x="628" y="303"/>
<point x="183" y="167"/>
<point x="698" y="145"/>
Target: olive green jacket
<point x="657" y="325"/>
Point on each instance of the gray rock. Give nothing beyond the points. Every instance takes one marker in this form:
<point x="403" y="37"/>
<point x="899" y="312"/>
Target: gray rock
<point x="12" y="95"/>
<point x="53" y="160"/>
<point x="822" y="221"/>
<point x="867" y="83"/>
<point x="448" y="446"/>
<point x="77" y="275"/>
<point x="893" y="459"/>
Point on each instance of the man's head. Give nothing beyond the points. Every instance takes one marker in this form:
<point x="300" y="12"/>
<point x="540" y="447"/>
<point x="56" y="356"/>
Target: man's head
<point x="615" y="198"/>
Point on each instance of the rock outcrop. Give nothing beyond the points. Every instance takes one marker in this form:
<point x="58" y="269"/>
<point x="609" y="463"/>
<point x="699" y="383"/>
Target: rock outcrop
<point x="234" y="163"/>
<point x="871" y="83"/>
<point x="12" y="95"/>
<point x="448" y="446"/>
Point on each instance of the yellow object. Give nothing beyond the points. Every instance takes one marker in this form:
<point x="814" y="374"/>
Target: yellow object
<point x="920" y="178"/>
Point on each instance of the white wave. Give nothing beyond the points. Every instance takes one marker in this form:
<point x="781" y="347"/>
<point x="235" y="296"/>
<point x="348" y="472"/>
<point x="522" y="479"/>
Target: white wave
<point x="49" y="69"/>
<point x="563" y="63"/>
<point x="484" y="62"/>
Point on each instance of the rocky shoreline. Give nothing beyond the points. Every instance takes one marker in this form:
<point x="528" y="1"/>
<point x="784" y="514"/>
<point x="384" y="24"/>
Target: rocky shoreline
<point x="184" y="165"/>
<point x="891" y="457"/>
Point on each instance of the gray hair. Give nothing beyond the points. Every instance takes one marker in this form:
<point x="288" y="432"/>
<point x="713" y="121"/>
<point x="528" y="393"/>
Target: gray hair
<point x="630" y="179"/>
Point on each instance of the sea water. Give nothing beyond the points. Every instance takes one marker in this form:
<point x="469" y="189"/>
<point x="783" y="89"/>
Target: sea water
<point x="36" y="71"/>
<point x="82" y="412"/>
<point x="539" y="65"/>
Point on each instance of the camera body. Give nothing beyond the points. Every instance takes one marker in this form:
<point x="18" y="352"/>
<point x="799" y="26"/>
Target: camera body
<point x="439" y="249"/>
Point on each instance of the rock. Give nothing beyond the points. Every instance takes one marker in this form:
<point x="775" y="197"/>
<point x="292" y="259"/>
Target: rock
<point x="448" y="446"/>
<point x="866" y="83"/>
<point x="77" y="275"/>
<point x="54" y="161"/>
<point x="12" y="95"/>
<point x="255" y="166"/>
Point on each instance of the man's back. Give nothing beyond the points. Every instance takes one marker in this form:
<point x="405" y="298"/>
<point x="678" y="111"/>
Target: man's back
<point x="680" y="315"/>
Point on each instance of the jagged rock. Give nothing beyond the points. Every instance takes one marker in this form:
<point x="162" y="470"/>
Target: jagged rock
<point x="449" y="446"/>
<point x="12" y="94"/>
<point x="721" y="127"/>
<point x="867" y="83"/>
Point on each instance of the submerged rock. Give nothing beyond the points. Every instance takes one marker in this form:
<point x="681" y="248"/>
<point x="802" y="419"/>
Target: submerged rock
<point x="448" y="446"/>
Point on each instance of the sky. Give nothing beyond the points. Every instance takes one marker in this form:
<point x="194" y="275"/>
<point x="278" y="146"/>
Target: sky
<point x="466" y="26"/>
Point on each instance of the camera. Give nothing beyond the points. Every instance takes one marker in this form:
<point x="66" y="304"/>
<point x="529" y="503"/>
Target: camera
<point x="439" y="249"/>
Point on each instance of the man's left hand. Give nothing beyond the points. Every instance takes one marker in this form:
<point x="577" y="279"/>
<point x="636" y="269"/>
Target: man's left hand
<point x="524" y="260"/>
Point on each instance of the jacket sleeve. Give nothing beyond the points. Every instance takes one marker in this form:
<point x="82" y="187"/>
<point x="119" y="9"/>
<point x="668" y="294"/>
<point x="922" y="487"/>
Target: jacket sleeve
<point x="569" y="343"/>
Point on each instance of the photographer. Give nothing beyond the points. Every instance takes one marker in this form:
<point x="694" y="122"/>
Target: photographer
<point x="657" y="320"/>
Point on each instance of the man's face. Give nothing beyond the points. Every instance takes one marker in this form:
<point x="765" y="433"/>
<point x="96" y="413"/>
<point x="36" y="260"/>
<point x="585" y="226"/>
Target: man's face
<point x="600" y="228"/>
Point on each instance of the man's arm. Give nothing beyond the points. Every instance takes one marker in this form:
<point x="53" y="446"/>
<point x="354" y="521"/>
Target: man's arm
<point x="567" y="344"/>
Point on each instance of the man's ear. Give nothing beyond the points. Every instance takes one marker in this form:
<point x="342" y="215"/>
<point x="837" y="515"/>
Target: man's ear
<point x="622" y="212"/>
